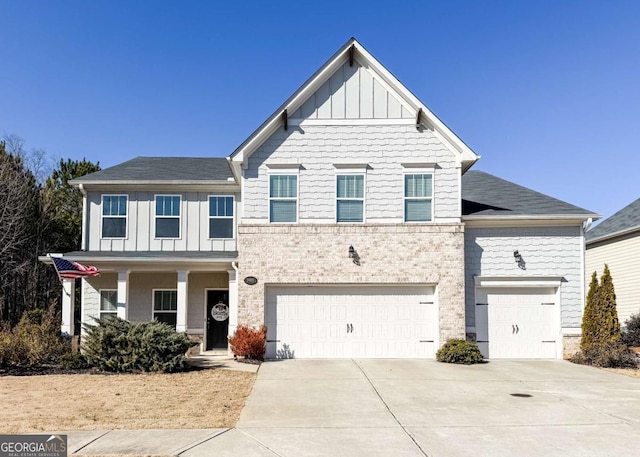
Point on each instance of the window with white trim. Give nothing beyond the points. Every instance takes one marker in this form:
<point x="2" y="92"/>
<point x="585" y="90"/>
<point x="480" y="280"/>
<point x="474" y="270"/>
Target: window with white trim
<point x="418" y="197"/>
<point x="221" y="216"/>
<point x="114" y="216"/>
<point x="165" y="306"/>
<point x="108" y="303"/>
<point x="168" y="216"/>
<point x="350" y="198"/>
<point x="283" y="198"/>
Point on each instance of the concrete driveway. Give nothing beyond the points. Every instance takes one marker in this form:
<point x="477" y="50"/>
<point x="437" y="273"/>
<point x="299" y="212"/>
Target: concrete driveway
<point x="424" y="408"/>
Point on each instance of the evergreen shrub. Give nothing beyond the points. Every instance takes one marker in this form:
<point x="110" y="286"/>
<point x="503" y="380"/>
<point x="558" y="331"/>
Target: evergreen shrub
<point x="113" y="344"/>
<point x="249" y="342"/>
<point x="631" y="333"/>
<point x="459" y="351"/>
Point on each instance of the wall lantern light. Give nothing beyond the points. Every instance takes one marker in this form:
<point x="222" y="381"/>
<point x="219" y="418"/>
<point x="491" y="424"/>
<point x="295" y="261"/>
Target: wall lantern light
<point x="519" y="260"/>
<point x="353" y="254"/>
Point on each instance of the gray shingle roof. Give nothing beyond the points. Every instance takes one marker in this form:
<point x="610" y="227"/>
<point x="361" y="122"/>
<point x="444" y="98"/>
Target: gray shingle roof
<point x="485" y="195"/>
<point x="165" y="169"/>
<point x="625" y="220"/>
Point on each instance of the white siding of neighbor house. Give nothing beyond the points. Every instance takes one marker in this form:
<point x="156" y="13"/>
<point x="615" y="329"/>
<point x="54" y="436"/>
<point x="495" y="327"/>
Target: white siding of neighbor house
<point x="140" y="235"/>
<point x="621" y="254"/>
<point x="547" y="251"/>
<point x="383" y="147"/>
<point x="353" y="92"/>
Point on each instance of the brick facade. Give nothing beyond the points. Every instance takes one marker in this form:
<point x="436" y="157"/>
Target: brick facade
<point x="389" y="253"/>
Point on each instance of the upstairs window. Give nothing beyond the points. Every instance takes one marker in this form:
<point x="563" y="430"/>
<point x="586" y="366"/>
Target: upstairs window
<point x="108" y="303"/>
<point x="418" y="197"/>
<point x="221" y="216"/>
<point x="165" y="306"/>
<point x="283" y="198"/>
<point x="114" y="216"/>
<point x="350" y="198"/>
<point x="168" y="216"/>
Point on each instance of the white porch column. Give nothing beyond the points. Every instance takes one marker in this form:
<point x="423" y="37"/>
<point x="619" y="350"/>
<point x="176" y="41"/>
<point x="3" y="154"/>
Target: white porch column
<point x="183" y="305"/>
<point x="123" y="294"/>
<point x="233" y="301"/>
<point x="68" y="303"/>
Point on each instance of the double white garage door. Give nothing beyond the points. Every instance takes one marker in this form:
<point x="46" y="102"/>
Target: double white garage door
<point x="517" y="322"/>
<point x="351" y="321"/>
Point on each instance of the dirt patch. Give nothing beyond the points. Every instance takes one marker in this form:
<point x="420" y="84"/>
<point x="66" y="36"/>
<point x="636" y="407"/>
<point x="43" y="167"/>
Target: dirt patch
<point x="196" y="399"/>
<point x="633" y="372"/>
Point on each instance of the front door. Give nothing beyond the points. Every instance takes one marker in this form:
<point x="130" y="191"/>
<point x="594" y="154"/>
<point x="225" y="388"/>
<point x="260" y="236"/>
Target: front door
<point x="217" y="319"/>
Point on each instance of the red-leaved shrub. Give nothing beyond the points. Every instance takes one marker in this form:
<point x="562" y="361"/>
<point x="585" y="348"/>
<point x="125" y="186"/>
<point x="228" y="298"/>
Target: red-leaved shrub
<point x="249" y="342"/>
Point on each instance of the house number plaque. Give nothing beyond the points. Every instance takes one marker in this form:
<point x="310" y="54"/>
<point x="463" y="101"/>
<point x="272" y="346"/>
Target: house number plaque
<point x="251" y="280"/>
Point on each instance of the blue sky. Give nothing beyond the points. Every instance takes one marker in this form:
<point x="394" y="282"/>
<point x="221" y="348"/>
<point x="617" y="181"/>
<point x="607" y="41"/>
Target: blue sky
<point x="546" y="91"/>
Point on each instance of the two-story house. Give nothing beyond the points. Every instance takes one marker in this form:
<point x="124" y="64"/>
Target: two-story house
<point x="348" y="223"/>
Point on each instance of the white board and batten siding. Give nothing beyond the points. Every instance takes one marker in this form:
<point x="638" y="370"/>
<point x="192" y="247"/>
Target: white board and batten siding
<point x="621" y="254"/>
<point x="517" y="323"/>
<point x="354" y="92"/>
<point x="351" y="322"/>
<point x="140" y="234"/>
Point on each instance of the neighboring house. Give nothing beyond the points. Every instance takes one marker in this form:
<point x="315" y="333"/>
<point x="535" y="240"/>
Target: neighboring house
<point x="348" y="223"/>
<point x="616" y="242"/>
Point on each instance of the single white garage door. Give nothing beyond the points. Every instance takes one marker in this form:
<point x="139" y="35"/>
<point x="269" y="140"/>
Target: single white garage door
<point x="517" y="323"/>
<point x="350" y="321"/>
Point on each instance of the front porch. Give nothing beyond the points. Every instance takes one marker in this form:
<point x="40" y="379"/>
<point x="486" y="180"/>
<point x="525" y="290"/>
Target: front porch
<point x="197" y="297"/>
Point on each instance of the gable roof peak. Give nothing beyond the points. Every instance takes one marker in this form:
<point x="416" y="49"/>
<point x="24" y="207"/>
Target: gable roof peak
<point x="422" y="114"/>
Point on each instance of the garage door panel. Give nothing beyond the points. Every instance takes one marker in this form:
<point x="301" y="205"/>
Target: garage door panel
<point x="517" y="323"/>
<point x="357" y="321"/>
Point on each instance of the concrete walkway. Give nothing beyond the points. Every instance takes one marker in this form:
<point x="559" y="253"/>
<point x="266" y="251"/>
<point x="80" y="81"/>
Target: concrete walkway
<point x="410" y="408"/>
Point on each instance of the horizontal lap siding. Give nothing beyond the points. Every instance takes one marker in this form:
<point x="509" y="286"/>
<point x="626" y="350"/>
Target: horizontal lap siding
<point x="547" y="251"/>
<point x="621" y="255"/>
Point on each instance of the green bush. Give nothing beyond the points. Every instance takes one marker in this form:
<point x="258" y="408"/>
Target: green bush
<point x="607" y="355"/>
<point x="631" y="333"/>
<point x="113" y="344"/>
<point x="34" y="341"/>
<point x="459" y="351"/>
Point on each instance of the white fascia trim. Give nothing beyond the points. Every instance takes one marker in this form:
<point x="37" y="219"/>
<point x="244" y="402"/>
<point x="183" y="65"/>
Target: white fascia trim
<point x="467" y="156"/>
<point x="294" y="102"/>
<point x="431" y="118"/>
<point x="518" y="281"/>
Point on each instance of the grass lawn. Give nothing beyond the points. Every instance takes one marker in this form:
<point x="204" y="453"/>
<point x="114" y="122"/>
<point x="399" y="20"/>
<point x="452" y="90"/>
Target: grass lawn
<point x="207" y="398"/>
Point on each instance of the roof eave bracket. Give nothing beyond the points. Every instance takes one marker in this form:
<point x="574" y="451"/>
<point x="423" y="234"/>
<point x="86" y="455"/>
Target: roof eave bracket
<point x="352" y="51"/>
<point x="418" y="118"/>
<point x="285" y="119"/>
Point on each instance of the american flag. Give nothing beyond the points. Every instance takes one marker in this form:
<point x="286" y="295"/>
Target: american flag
<point x="73" y="270"/>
